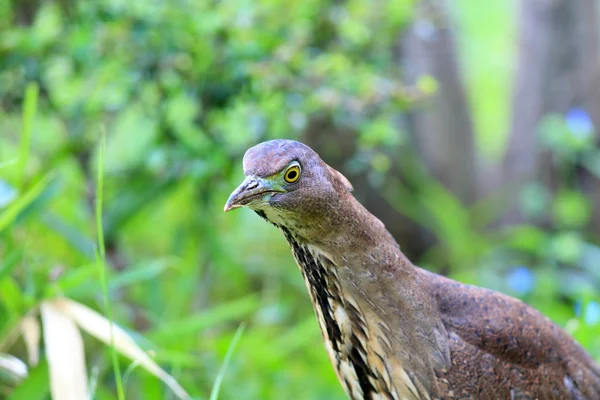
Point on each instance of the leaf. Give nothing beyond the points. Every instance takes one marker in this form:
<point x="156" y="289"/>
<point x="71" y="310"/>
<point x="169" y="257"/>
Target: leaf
<point x="10" y="332"/>
<point x="303" y="333"/>
<point x="48" y="24"/>
<point x="29" y="109"/>
<point x="17" y="206"/>
<point x="571" y="209"/>
<point x="8" y="163"/>
<point x="133" y="199"/>
<point x="99" y="327"/>
<point x="218" y="314"/>
<point x="214" y="394"/>
<point x="84" y="277"/>
<point x="140" y="273"/>
<point x="10" y="262"/>
<point x="30" y="328"/>
<point x="79" y="240"/>
<point x="35" y="387"/>
<point x="11" y="295"/>
<point x="123" y="150"/>
<point x="64" y="351"/>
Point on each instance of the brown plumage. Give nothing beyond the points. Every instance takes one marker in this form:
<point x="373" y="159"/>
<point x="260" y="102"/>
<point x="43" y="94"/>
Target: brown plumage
<point x="392" y="330"/>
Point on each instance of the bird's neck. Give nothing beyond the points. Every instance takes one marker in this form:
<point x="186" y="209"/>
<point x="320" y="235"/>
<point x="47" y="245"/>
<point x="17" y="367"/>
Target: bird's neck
<point x="346" y="233"/>
<point x="354" y="232"/>
<point x="353" y="269"/>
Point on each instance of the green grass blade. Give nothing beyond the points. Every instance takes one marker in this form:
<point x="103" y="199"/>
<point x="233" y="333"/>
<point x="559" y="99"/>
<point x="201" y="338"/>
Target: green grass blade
<point x="214" y="394"/>
<point x="192" y="324"/>
<point x="10" y="262"/>
<point x="10" y="331"/>
<point x="140" y="273"/>
<point x="101" y="263"/>
<point x="17" y="206"/>
<point x="29" y="109"/>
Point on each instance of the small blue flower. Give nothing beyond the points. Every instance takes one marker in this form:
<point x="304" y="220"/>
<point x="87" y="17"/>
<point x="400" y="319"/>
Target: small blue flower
<point x="521" y="280"/>
<point x="579" y="123"/>
<point x="592" y="313"/>
<point x="7" y="193"/>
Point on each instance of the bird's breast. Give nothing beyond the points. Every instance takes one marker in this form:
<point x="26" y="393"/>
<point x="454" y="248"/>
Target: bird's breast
<point x="360" y="369"/>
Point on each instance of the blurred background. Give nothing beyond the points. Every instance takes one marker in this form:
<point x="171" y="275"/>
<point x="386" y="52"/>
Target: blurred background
<point x="469" y="128"/>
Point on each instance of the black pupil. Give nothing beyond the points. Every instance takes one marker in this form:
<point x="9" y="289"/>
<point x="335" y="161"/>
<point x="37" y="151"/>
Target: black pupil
<point x="292" y="175"/>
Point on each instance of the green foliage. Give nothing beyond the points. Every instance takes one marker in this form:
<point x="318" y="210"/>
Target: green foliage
<point x="183" y="88"/>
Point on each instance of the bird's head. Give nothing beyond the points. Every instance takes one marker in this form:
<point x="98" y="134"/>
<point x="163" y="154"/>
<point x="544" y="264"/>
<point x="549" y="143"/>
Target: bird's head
<point x="286" y="181"/>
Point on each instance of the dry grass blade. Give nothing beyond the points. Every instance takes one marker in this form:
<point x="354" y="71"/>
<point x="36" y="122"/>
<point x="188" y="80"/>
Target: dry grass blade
<point x="12" y="369"/>
<point x="98" y="326"/>
<point x="30" y="328"/>
<point x="64" y="351"/>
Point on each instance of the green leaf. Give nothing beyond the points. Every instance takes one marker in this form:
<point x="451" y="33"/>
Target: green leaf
<point x="75" y="278"/>
<point x="527" y="238"/>
<point x="132" y="200"/>
<point x="10" y="262"/>
<point x="10" y="331"/>
<point x="140" y="273"/>
<point x="48" y="24"/>
<point x="18" y="206"/>
<point x="75" y="237"/>
<point x="11" y="296"/>
<point x="219" y="314"/>
<point x="566" y="247"/>
<point x="124" y="150"/>
<point x="36" y="386"/>
<point x="29" y="109"/>
<point x="571" y="209"/>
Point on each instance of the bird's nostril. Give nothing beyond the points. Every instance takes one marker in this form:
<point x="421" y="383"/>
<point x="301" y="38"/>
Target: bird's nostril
<point x="252" y="185"/>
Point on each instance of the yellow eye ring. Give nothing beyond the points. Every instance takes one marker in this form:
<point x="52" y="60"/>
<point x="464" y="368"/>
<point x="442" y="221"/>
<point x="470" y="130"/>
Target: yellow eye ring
<point x="292" y="174"/>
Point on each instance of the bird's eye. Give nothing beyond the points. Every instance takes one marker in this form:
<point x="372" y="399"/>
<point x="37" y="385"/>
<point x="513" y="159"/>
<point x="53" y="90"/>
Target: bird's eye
<point x="292" y="174"/>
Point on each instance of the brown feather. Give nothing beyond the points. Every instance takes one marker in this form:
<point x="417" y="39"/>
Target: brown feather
<point x="395" y="331"/>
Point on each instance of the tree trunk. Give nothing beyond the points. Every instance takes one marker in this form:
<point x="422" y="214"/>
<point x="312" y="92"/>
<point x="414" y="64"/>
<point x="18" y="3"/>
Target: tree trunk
<point x="442" y="130"/>
<point x="558" y="68"/>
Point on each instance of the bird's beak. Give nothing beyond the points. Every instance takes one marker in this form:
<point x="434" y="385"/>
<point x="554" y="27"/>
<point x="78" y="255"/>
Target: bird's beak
<point x="252" y="188"/>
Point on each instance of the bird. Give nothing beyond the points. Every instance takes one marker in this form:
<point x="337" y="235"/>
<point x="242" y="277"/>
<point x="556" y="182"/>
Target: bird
<point x="391" y="329"/>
